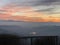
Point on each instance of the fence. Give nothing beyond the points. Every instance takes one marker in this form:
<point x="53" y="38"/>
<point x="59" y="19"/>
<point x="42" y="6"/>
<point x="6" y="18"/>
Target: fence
<point x="39" y="40"/>
<point x="28" y="40"/>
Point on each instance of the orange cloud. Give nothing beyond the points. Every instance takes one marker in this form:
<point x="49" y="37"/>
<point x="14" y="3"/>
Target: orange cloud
<point x="26" y="14"/>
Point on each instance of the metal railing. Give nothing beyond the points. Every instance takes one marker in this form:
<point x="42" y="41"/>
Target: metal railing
<point x="31" y="40"/>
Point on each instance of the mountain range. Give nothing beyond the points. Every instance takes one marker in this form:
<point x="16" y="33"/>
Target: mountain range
<point x="25" y="31"/>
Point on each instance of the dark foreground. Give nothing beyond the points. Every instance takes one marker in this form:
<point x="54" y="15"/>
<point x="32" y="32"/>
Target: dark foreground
<point x="8" y="39"/>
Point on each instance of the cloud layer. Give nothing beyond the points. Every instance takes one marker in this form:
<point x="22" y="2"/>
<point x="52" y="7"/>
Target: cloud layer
<point x="34" y="2"/>
<point x="42" y="8"/>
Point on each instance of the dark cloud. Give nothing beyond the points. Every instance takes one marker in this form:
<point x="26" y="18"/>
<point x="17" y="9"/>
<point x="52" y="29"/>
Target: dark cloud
<point x="44" y="10"/>
<point x="34" y="2"/>
<point x="45" y="2"/>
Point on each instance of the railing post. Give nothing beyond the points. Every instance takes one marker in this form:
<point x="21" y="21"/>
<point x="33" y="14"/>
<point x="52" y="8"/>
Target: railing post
<point x="31" y="41"/>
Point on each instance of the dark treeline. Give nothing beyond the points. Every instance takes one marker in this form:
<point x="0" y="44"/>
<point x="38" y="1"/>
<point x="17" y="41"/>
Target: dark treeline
<point x="7" y="39"/>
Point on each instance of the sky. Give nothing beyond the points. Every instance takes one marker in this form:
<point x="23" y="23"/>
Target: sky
<point x="30" y="10"/>
<point x="15" y="12"/>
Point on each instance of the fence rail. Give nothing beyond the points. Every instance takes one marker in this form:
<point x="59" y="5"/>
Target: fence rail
<point x="39" y="40"/>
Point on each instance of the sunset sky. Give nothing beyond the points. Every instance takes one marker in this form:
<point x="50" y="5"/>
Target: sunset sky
<point x="30" y="10"/>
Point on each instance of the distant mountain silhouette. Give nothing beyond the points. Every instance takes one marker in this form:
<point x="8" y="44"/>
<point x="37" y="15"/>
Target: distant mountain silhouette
<point x="11" y="21"/>
<point x="19" y="30"/>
